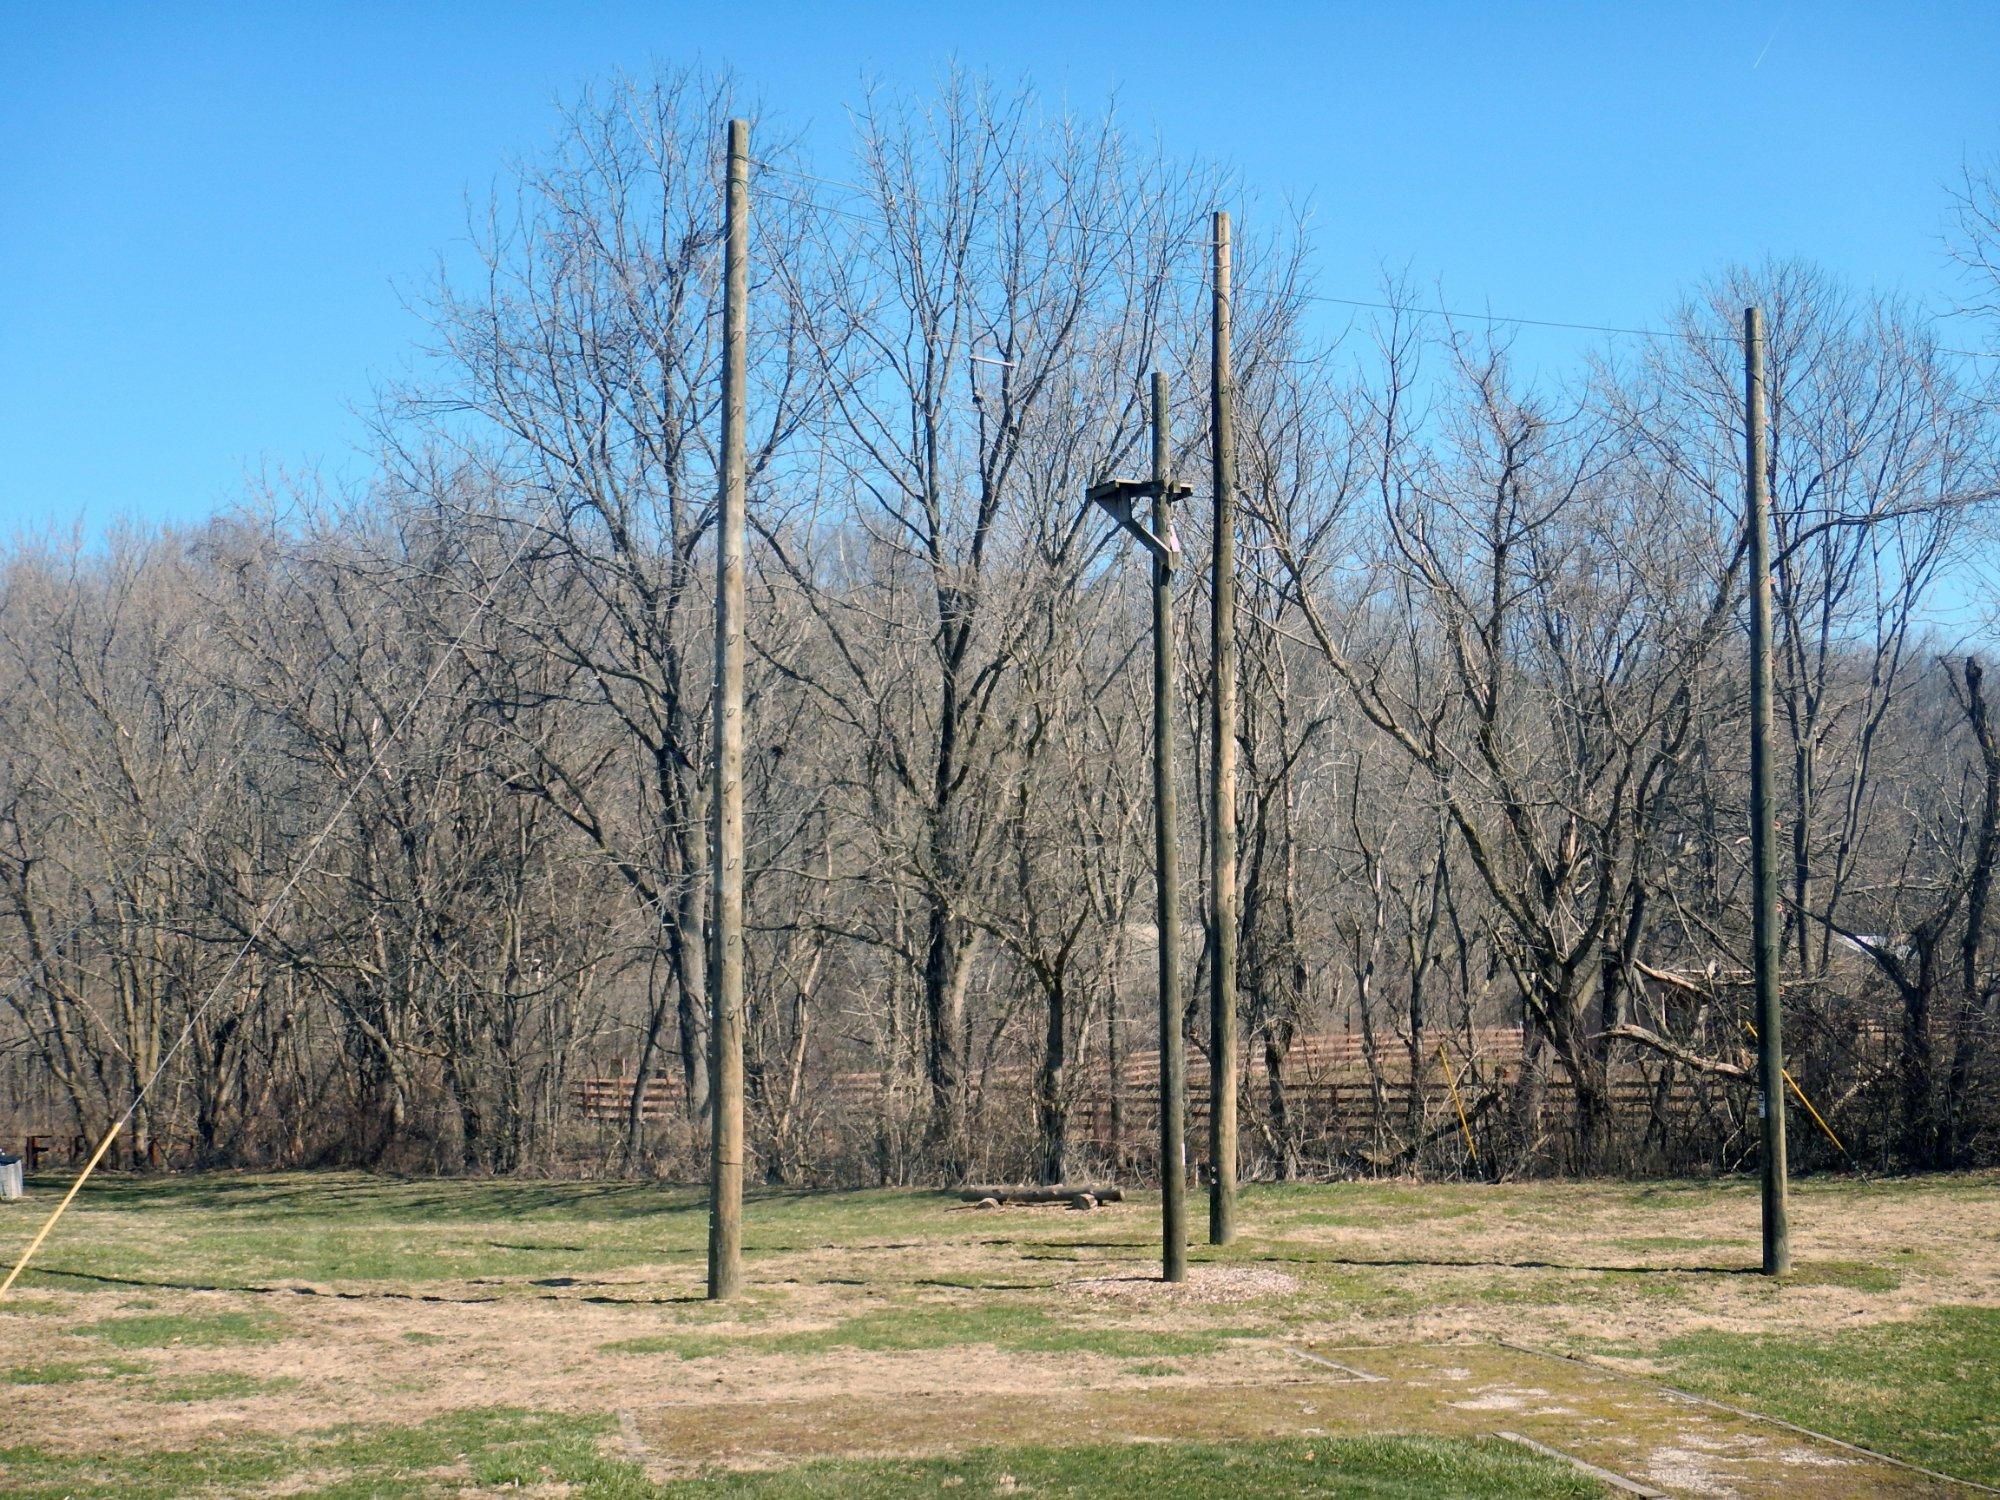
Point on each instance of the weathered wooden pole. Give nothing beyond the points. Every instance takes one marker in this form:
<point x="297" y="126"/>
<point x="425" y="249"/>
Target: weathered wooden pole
<point x="1222" y="784"/>
<point x="725" y="1190"/>
<point x="1763" y="819"/>
<point x="1173" y="1049"/>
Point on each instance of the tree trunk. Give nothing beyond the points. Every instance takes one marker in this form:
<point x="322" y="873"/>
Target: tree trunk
<point x="1051" y="1086"/>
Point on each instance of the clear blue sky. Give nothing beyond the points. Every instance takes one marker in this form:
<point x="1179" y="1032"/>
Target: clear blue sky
<point x="206" y="212"/>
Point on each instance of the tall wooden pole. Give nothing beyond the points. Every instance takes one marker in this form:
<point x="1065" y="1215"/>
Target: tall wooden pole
<point x="1763" y="820"/>
<point x="725" y="1191"/>
<point x="1173" y="1049"/>
<point x="1222" y="784"/>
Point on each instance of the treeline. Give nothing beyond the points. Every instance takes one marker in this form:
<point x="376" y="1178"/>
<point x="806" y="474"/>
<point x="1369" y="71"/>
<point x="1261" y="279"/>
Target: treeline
<point x="375" y="824"/>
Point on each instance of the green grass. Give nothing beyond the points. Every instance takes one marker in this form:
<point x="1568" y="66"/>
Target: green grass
<point x="1926" y="1389"/>
<point x="470" y="1451"/>
<point x="497" y="1449"/>
<point x="1855" y="1275"/>
<point x="489" y="1450"/>
<point x="33" y="1307"/>
<point x="234" y="1467"/>
<point x="1385" y="1468"/>
<point x="233" y="1230"/>
<point x="69" y="1371"/>
<point x="160" y="1330"/>
<point x="1653" y="1244"/>
<point x="242" y="1230"/>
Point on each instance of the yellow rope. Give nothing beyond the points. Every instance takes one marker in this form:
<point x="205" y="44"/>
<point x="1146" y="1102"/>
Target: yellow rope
<point x="69" y="1197"/>
<point x="1457" y="1103"/>
<point x="1818" y="1119"/>
<point x="1811" y="1111"/>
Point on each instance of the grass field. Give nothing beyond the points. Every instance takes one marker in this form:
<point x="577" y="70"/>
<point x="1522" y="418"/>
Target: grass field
<point x="341" y="1335"/>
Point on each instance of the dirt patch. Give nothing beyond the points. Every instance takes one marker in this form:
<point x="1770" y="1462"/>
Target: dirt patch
<point x="1501" y="1398"/>
<point x="1208" y="1285"/>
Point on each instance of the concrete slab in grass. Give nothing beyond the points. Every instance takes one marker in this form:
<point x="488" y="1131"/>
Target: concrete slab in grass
<point x="1612" y="1421"/>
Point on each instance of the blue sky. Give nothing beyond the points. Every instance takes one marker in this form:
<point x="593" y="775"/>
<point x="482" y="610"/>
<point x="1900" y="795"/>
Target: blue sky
<point x="208" y="213"/>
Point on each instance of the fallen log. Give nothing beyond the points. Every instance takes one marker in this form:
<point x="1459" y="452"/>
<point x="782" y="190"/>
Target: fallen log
<point x="1718" y="1066"/>
<point x="1106" y="1192"/>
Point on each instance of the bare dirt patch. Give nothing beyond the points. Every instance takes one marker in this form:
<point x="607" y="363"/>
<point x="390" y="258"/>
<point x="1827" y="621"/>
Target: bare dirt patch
<point x="1216" y="1286"/>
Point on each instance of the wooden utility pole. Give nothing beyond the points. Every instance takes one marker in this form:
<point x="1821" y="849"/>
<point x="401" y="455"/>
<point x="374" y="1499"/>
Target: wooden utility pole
<point x="725" y="1184"/>
<point x="1222" y="781"/>
<point x="1173" y="1048"/>
<point x="1763" y="820"/>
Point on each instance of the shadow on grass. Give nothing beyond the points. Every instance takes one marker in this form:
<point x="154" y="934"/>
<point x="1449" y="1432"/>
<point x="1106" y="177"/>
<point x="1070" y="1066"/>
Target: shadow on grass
<point x="254" y="1289"/>
<point x="1428" y="1263"/>
<point x="358" y="1195"/>
<point x="985" y="1286"/>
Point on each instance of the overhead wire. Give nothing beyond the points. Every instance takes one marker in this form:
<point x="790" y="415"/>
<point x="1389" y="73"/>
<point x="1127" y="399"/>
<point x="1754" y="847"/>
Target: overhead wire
<point x="1410" y="309"/>
<point x="1203" y="241"/>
